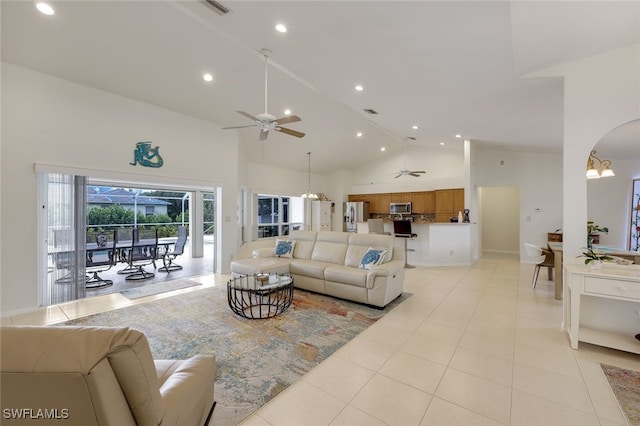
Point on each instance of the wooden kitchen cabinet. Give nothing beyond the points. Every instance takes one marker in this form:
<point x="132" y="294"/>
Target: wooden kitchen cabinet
<point x="430" y="202"/>
<point x="448" y="203"/>
<point x="418" y="202"/>
<point x="383" y="203"/>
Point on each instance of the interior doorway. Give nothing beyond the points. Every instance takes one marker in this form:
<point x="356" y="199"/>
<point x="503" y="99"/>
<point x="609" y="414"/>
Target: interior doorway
<point x="500" y="213"/>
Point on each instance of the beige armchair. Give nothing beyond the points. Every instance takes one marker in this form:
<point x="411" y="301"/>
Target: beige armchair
<point x="98" y="376"/>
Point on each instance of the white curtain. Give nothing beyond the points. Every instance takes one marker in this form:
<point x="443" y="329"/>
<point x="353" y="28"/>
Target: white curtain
<point x="62" y="231"/>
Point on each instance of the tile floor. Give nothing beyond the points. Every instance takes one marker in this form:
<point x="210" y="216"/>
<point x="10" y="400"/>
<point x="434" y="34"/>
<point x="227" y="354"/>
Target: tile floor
<point x="472" y="346"/>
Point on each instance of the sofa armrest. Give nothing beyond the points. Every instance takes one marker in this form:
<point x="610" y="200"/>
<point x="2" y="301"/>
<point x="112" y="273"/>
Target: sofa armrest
<point x="389" y="269"/>
<point x="188" y="391"/>
<point x="263" y="252"/>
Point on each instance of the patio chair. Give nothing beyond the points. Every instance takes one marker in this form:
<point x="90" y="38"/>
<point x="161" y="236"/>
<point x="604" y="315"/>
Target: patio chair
<point x="143" y="252"/>
<point x="100" y="257"/>
<point x="178" y="249"/>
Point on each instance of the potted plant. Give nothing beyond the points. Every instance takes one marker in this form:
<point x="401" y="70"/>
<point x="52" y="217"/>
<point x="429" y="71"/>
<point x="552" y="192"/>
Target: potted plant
<point x="592" y="230"/>
<point x="594" y="257"/>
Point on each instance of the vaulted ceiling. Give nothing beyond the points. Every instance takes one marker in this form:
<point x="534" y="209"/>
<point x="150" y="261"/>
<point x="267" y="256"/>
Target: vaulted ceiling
<point x="447" y="67"/>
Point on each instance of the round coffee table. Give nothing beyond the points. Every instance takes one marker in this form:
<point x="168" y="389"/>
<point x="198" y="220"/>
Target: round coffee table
<point x="260" y="296"/>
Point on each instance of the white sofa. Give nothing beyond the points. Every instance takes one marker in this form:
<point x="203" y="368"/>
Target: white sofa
<point x="329" y="263"/>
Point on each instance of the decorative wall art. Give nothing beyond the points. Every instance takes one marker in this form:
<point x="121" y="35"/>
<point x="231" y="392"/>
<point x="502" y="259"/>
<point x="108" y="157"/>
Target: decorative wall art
<point x="147" y="156"/>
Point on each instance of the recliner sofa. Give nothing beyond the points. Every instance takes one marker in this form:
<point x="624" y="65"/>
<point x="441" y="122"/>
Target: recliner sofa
<point x="98" y="376"/>
<point x="328" y="262"/>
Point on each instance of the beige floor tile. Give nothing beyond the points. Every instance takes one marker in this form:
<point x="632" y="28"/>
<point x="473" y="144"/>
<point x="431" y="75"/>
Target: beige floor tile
<point x="451" y="316"/>
<point x="558" y="362"/>
<point x="94" y="305"/>
<point x="366" y="353"/>
<point x="486" y="366"/>
<point x="482" y="396"/>
<point x="530" y="410"/>
<point x="43" y="316"/>
<point x="339" y="377"/>
<point x="254" y="420"/>
<point x="604" y="401"/>
<point x="559" y="389"/>
<point x="351" y="416"/>
<point x="429" y="349"/>
<point x="501" y="346"/>
<point x="302" y="404"/>
<point x="392" y="402"/>
<point x="444" y="413"/>
<point x="414" y="371"/>
<point x="382" y="332"/>
<point x="440" y="332"/>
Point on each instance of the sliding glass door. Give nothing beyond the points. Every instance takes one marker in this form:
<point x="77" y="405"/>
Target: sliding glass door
<point x="62" y="236"/>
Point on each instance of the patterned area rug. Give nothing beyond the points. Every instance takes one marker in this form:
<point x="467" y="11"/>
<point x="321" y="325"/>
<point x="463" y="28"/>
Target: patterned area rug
<point x="150" y="289"/>
<point x="255" y="359"/>
<point x="626" y="387"/>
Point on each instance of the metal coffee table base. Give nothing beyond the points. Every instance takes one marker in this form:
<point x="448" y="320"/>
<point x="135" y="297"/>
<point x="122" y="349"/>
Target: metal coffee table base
<point x="254" y="302"/>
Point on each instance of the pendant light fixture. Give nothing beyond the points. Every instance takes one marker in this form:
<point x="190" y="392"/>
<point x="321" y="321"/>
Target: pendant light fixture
<point x="309" y="194"/>
<point x="597" y="168"/>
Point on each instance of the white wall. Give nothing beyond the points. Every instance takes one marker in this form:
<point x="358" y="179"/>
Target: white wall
<point x="538" y="177"/>
<point x="52" y="121"/>
<point x="602" y="92"/>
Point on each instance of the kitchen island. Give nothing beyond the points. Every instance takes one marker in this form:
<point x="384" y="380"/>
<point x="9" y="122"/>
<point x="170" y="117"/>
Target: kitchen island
<point x="439" y="244"/>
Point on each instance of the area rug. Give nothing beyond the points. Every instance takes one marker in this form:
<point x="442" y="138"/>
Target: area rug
<point x="255" y="359"/>
<point x="626" y="387"/>
<point x="157" y="288"/>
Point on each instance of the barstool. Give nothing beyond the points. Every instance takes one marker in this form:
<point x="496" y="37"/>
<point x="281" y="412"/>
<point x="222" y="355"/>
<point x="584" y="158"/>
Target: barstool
<point x="402" y="229"/>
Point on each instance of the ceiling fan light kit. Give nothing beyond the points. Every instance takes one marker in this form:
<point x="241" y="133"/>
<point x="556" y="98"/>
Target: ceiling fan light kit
<point x="265" y="121"/>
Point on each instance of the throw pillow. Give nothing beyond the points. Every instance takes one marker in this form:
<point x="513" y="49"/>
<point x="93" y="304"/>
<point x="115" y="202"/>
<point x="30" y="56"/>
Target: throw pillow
<point x="372" y="257"/>
<point x="284" y="248"/>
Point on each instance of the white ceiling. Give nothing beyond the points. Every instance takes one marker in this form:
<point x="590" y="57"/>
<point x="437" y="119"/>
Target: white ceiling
<point x="448" y="66"/>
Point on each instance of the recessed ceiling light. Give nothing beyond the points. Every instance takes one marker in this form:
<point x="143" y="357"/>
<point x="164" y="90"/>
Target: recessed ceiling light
<point x="359" y="134"/>
<point x="45" y="8"/>
<point x="458" y="136"/>
<point x="287" y="112"/>
<point x="414" y="127"/>
<point x="281" y="28"/>
<point x="359" y="88"/>
<point x="441" y="143"/>
<point x="207" y="77"/>
<point x="383" y="149"/>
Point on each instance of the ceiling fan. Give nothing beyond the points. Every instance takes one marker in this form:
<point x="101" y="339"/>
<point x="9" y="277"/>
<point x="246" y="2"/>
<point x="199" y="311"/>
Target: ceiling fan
<point x="266" y="121"/>
<point x="405" y="171"/>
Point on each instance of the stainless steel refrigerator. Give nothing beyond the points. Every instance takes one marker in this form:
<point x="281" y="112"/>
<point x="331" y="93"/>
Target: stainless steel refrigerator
<point x="354" y="212"/>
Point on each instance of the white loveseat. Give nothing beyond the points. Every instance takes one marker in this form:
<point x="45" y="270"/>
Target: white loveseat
<point x="329" y="263"/>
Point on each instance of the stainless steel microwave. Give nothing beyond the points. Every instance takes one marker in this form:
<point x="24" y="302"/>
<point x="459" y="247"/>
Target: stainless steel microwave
<point x="400" y="208"/>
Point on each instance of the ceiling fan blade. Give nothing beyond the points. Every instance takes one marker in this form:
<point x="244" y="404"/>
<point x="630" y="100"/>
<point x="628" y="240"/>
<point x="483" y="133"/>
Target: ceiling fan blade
<point x="414" y="175"/>
<point x="288" y="119"/>
<point x="289" y="132"/>
<point x="264" y="134"/>
<point x="246" y="114"/>
<point x="239" y="127"/>
<point x="398" y="176"/>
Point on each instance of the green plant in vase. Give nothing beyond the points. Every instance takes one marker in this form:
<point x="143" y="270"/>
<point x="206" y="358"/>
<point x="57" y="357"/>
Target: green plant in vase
<point x="594" y="257"/>
<point x="592" y="229"/>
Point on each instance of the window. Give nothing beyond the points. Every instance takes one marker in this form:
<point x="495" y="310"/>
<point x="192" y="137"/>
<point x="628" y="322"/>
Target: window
<point x="149" y="210"/>
<point x="634" y="237"/>
<point x="278" y="215"/>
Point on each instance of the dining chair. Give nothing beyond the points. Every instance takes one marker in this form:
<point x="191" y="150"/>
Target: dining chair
<point x="143" y="252"/>
<point x="376" y="226"/>
<point x="100" y="257"/>
<point x="542" y="258"/>
<point x="178" y="250"/>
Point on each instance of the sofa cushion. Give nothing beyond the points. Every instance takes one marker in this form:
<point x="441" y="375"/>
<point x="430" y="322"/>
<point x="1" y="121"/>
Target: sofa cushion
<point x="261" y="264"/>
<point x="305" y="241"/>
<point x="284" y="248"/>
<point x="372" y="257"/>
<point x="346" y="275"/>
<point x="308" y="268"/>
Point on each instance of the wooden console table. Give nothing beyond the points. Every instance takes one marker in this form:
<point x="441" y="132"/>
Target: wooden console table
<point x="602" y="307"/>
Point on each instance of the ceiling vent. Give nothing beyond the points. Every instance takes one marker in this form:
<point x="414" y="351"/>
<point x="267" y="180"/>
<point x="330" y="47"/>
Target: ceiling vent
<point x="217" y="7"/>
<point x="370" y="111"/>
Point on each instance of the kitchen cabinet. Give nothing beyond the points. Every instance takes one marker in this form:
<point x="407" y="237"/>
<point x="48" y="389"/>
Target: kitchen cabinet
<point x="419" y="202"/>
<point x="384" y="201"/>
<point x="430" y="202"/>
<point x="448" y="203"/>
